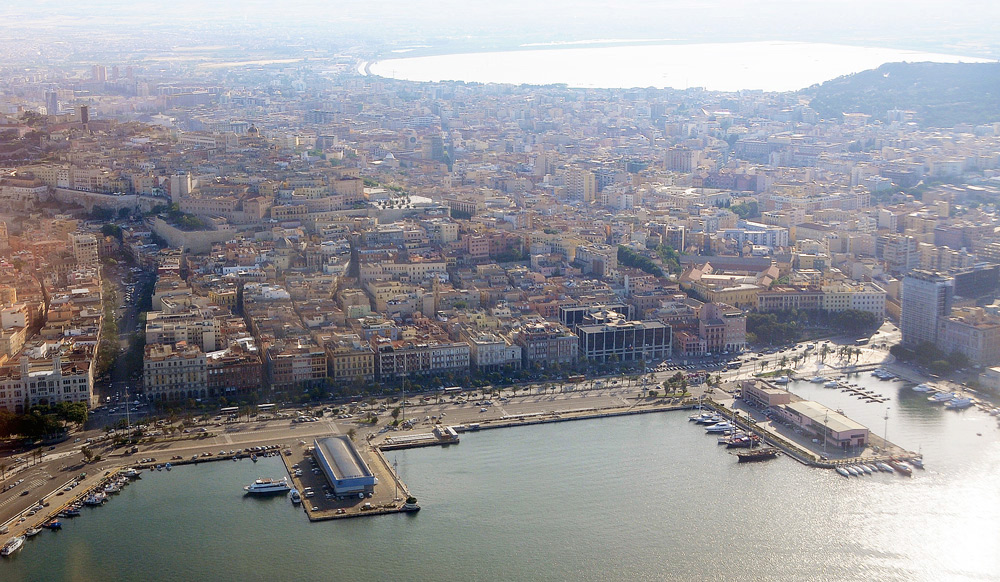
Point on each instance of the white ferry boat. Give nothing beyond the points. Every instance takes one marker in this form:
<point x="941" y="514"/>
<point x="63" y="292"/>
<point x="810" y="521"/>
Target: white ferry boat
<point x="267" y="487"/>
<point x="12" y="546"/>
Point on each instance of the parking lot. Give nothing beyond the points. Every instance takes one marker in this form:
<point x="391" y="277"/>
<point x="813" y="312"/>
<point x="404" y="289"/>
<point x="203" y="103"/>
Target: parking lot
<point x="318" y="499"/>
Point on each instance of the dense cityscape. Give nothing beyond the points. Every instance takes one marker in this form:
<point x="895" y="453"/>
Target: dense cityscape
<point x="207" y="239"/>
<point x="334" y="234"/>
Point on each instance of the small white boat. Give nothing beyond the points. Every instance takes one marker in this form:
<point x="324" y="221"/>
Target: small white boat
<point x="843" y="471"/>
<point x="721" y="427"/>
<point x="885" y="468"/>
<point x="922" y="388"/>
<point x="864" y="468"/>
<point x="782" y="380"/>
<point x="700" y="417"/>
<point x="296" y="498"/>
<point x="832" y="384"/>
<point x="817" y="379"/>
<point x="959" y="403"/>
<point x="941" y="398"/>
<point x="853" y="471"/>
<point x="32" y="532"/>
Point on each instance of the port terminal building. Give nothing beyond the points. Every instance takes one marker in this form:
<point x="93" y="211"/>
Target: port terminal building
<point x="837" y="430"/>
<point x="825" y="424"/>
<point x="346" y="471"/>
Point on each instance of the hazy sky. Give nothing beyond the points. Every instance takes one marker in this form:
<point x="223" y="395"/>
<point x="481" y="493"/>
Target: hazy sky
<point x="963" y="26"/>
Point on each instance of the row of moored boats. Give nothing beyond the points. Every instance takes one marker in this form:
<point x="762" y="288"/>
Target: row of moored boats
<point x="97" y="496"/>
<point x="900" y="466"/>
<point x="952" y="400"/>
<point x="733" y="437"/>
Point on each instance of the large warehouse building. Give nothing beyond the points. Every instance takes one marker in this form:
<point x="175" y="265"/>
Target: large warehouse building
<point x="838" y="430"/>
<point x="343" y="466"/>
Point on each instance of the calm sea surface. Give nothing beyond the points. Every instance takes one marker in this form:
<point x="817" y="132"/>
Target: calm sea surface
<point x="771" y="66"/>
<point x="648" y="497"/>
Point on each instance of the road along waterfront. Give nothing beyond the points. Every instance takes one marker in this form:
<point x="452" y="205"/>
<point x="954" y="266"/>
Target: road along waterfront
<point x="644" y="496"/>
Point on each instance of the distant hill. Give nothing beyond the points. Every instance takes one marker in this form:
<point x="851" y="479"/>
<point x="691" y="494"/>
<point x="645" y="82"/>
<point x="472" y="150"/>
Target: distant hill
<point x="942" y="94"/>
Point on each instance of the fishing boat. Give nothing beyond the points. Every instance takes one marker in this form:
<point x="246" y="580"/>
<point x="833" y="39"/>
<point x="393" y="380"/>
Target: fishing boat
<point x="53" y="525"/>
<point x="901" y="467"/>
<point x="133" y="473"/>
<point x="296" y="497"/>
<point x="754" y="455"/>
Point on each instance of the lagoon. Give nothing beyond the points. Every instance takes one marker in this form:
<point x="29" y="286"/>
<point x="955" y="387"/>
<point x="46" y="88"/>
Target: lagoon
<point x="769" y="66"/>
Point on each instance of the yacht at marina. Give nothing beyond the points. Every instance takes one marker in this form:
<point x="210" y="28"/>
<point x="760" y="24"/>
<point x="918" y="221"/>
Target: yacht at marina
<point x="267" y="487"/>
<point x="12" y="546"/>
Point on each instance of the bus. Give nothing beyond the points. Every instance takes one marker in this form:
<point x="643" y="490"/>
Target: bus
<point x="452" y="390"/>
<point x="862" y="341"/>
<point x="575" y="379"/>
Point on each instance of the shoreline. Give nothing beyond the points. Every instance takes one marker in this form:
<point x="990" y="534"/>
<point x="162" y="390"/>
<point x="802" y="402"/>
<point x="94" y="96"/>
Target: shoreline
<point x="524" y="410"/>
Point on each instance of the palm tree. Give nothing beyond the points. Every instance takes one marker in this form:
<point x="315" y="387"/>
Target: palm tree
<point x="784" y="361"/>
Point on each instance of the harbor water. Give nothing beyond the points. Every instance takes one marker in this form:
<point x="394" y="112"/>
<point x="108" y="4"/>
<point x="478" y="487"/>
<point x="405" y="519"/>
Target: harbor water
<point x="646" y="497"/>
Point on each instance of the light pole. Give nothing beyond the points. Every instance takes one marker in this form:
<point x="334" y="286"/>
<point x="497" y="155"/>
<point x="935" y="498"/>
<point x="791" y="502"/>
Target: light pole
<point x="885" y="432"/>
<point x="826" y="430"/>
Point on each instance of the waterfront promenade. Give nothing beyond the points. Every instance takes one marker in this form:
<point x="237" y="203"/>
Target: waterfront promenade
<point x="534" y="404"/>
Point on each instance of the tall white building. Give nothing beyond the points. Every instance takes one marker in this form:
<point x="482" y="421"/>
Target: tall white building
<point x="926" y="303"/>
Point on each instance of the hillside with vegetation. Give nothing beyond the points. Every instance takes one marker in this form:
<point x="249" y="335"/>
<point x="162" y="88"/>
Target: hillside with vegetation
<point x="941" y="94"/>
